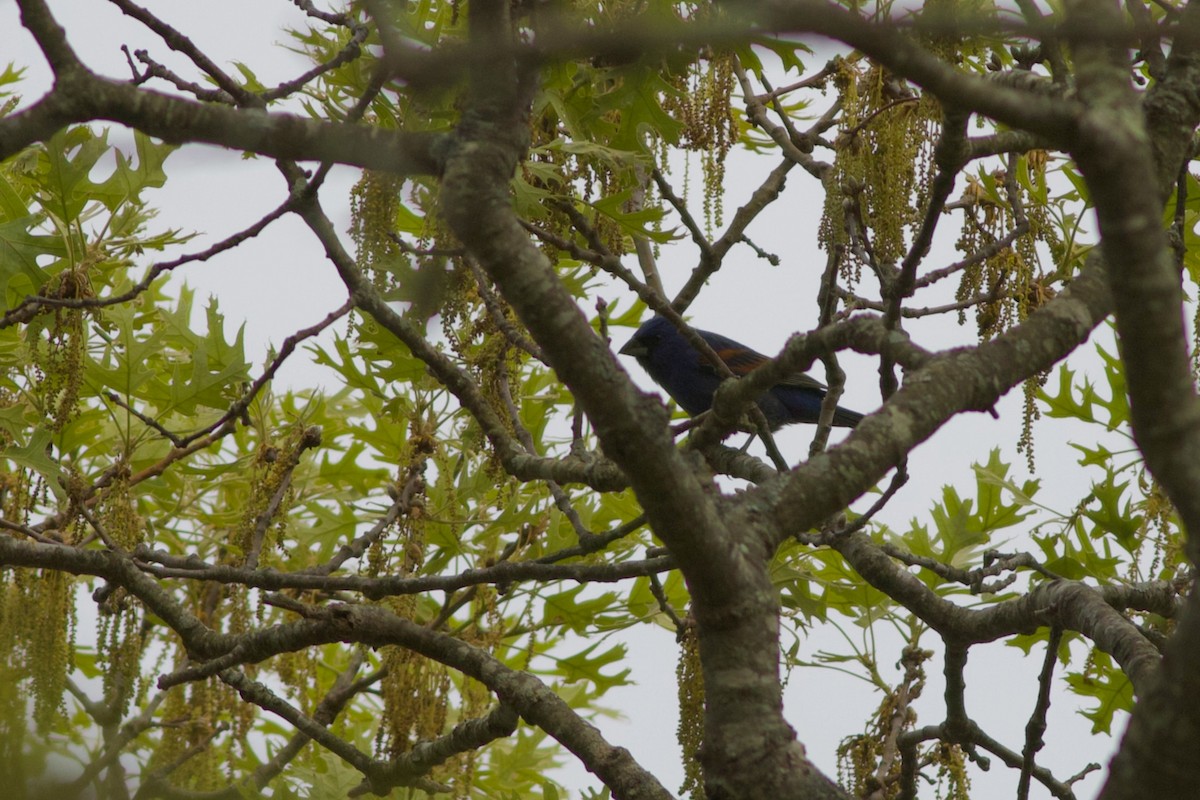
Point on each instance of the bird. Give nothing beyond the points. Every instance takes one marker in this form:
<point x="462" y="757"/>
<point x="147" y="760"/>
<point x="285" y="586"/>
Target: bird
<point x="691" y="380"/>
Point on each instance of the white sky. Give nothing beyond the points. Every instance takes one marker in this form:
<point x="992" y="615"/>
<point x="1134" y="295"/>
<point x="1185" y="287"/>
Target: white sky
<point x="280" y="282"/>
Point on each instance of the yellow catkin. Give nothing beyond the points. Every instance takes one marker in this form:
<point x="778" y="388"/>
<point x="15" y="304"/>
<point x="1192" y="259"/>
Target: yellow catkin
<point x="195" y="744"/>
<point x="273" y="465"/>
<point x="59" y="358"/>
<point x="118" y="515"/>
<point x="374" y="208"/>
<point x="38" y="657"/>
<point x="496" y="365"/>
<point x="883" y="167"/>
<point x="49" y="644"/>
<point x="703" y="105"/>
<point x="119" y="649"/>
<point x="689" y="678"/>
<point x="13" y="725"/>
<point x="1010" y="281"/>
<point x="415" y="695"/>
<point x="953" y="781"/>
<point x="856" y="759"/>
<point x="476" y="701"/>
<point x="415" y="690"/>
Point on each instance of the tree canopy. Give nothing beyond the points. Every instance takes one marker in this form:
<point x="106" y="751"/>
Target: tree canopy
<point x="414" y="578"/>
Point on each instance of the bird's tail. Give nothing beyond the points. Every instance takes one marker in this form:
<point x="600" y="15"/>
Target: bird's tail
<point x="845" y="418"/>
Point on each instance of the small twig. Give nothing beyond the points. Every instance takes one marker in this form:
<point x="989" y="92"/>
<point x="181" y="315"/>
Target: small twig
<point x="425" y="252"/>
<point x="310" y="438"/>
<point x="561" y="500"/>
<point x="656" y="589"/>
<point x="413" y="486"/>
<point x="899" y="479"/>
<point x="770" y="258"/>
<point x="1036" y="727"/>
<point x="1083" y="773"/>
<point x="763" y="196"/>
<point x="466" y="736"/>
<point x="982" y="254"/>
<point x="685" y="216"/>
<point x="153" y="69"/>
<point x="826" y="309"/>
<point x="811" y="82"/>
<point x="182" y="44"/>
<point x="495" y="308"/>
<point x="350" y="51"/>
<point x="796" y="148"/>
<point x="597" y="543"/>
<point x="240" y="405"/>
<point x="955" y="693"/>
<point x="154" y="782"/>
<point x="325" y="16"/>
<point x="25" y="530"/>
<point x="259" y="695"/>
<point x="114" y="747"/>
<point x="100" y="530"/>
<point x="29" y="307"/>
<point x="148" y="421"/>
<point x="912" y="657"/>
<point x="997" y="292"/>
<point x="879" y="112"/>
<point x="858" y="235"/>
<point x="642" y="246"/>
<point x="949" y="155"/>
<point x="604" y="260"/>
<point x="1059" y="789"/>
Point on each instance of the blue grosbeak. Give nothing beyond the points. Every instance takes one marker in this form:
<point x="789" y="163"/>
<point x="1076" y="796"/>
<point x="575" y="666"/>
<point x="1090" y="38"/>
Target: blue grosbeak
<point x="688" y="377"/>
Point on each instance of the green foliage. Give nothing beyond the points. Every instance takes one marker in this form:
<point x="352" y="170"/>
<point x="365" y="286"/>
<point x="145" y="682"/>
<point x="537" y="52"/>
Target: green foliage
<point x="1082" y="400"/>
<point x="964" y="526"/>
<point x="1108" y="686"/>
<point x="325" y="777"/>
<point x="165" y="360"/>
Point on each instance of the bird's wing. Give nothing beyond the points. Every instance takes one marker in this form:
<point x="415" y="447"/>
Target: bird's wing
<point x="741" y="361"/>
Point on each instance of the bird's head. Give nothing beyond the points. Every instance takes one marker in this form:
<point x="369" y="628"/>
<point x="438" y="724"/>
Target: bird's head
<point x="644" y="341"/>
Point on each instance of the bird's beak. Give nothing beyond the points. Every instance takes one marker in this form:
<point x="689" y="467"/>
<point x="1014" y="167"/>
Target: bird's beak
<point x="634" y="348"/>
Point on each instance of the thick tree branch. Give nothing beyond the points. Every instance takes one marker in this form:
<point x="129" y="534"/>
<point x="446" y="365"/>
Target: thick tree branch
<point x="163" y="565"/>
<point x="83" y="97"/>
<point x="120" y="571"/>
<point x="1118" y="147"/>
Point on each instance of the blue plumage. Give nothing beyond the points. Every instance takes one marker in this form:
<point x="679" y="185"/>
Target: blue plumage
<point x="688" y="377"/>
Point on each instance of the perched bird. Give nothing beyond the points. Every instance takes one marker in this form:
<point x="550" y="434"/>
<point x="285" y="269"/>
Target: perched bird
<point x="689" y="378"/>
